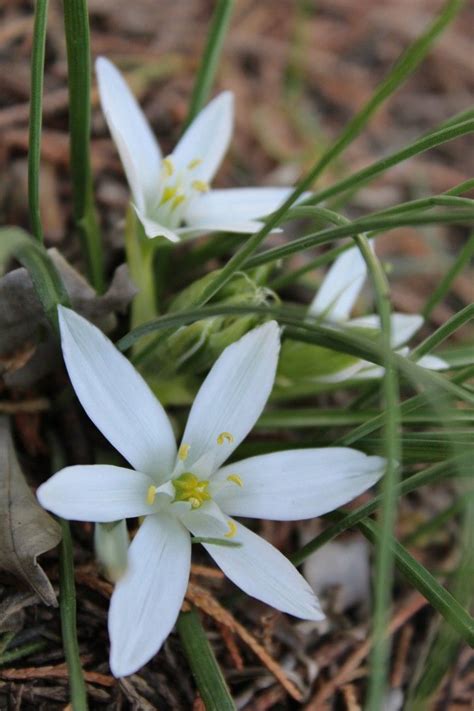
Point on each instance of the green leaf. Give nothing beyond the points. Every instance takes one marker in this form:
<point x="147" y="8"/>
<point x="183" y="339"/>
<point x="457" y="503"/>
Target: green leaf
<point x="14" y="242"/>
<point x="426" y="584"/>
<point x="76" y="24"/>
<point x="210" y="59"/>
<point x="36" y="107"/>
<point x="209" y="679"/>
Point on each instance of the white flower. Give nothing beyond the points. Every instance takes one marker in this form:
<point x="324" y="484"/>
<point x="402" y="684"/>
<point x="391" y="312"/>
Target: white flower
<point x="172" y="195"/>
<point x="187" y="490"/>
<point x="335" y="300"/>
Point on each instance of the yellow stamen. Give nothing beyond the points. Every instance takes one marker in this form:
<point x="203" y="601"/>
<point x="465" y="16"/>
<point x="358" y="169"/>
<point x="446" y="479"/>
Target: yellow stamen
<point x="183" y="452"/>
<point x="232" y="529"/>
<point x="177" y="201"/>
<point x="189" y="488"/>
<point x="235" y="479"/>
<point x="168" y="193"/>
<point x="168" y="166"/>
<point x="200" y="185"/>
<point x="150" y="495"/>
<point x="194" y="163"/>
<point x="225" y="436"/>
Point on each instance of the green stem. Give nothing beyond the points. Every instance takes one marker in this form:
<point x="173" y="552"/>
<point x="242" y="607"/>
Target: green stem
<point x="36" y="106"/>
<point x="140" y="253"/>
<point x="209" y="679"/>
<point x="210" y="59"/>
<point x="67" y="607"/>
<point x="76" y="23"/>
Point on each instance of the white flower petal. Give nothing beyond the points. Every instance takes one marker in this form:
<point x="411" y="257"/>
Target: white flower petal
<point x="96" y="492"/>
<point x="341" y="287"/>
<point x="207" y="138"/>
<point x="197" y="229"/>
<point x="116" y="397"/>
<point x="239" y="205"/>
<point x="139" y="151"/>
<point x="207" y="515"/>
<point x="233" y="396"/>
<point x="296" y="484"/>
<point x="260" y="570"/>
<point x="432" y="362"/>
<point x="147" y="599"/>
<point x="155" y="229"/>
<point x="403" y="326"/>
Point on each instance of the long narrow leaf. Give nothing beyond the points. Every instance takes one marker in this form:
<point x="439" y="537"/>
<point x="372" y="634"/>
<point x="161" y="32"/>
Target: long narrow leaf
<point x="36" y="107"/>
<point x="210" y="682"/>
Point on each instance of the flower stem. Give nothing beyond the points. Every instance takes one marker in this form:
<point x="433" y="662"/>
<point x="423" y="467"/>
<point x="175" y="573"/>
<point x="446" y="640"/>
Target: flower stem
<point x="67" y="607"/>
<point x="209" y="679"/>
<point x="76" y="23"/>
<point x="36" y="106"/>
<point x="140" y="253"/>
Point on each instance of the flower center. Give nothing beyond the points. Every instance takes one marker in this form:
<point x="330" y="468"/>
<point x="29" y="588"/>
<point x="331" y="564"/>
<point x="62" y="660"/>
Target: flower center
<point x="177" y="188"/>
<point x="189" y="488"/>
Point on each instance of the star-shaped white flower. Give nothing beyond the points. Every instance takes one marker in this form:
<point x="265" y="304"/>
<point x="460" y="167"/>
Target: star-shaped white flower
<point x="172" y="195"/>
<point x="188" y="490"/>
<point x="335" y="300"/>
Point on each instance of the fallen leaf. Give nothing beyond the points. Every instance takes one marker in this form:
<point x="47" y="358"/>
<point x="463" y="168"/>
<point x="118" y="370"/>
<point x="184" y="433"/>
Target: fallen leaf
<point x="28" y="350"/>
<point x="26" y="530"/>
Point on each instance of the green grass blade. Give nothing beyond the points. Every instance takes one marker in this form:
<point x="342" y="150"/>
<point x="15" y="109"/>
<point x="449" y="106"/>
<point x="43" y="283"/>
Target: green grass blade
<point x="392" y="450"/>
<point x="209" y="679"/>
<point x="311" y="418"/>
<point x="36" y="108"/>
<point x="210" y="59"/>
<point x="365" y="224"/>
<point x="442" y="600"/>
<point x="67" y="608"/>
<point x="76" y="23"/>
<point x="443" y="332"/>
<point x="306" y="331"/>
<point x="426" y="143"/>
<point x="44" y="275"/>
<point x="465" y="255"/>
<point x="444" y="649"/>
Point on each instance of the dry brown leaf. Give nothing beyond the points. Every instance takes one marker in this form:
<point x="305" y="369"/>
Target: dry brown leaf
<point x="26" y="530"/>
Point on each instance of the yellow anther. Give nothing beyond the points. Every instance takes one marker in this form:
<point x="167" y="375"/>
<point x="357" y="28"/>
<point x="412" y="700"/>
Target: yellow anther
<point x="200" y="185"/>
<point x="183" y="452"/>
<point x="235" y="479"/>
<point x="150" y="495"/>
<point x="189" y="488"/>
<point x="168" y="193"/>
<point x="168" y="166"/>
<point x="232" y="529"/>
<point x="225" y="437"/>
<point x="194" y="163"/>
<point x="177" y="201"/>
